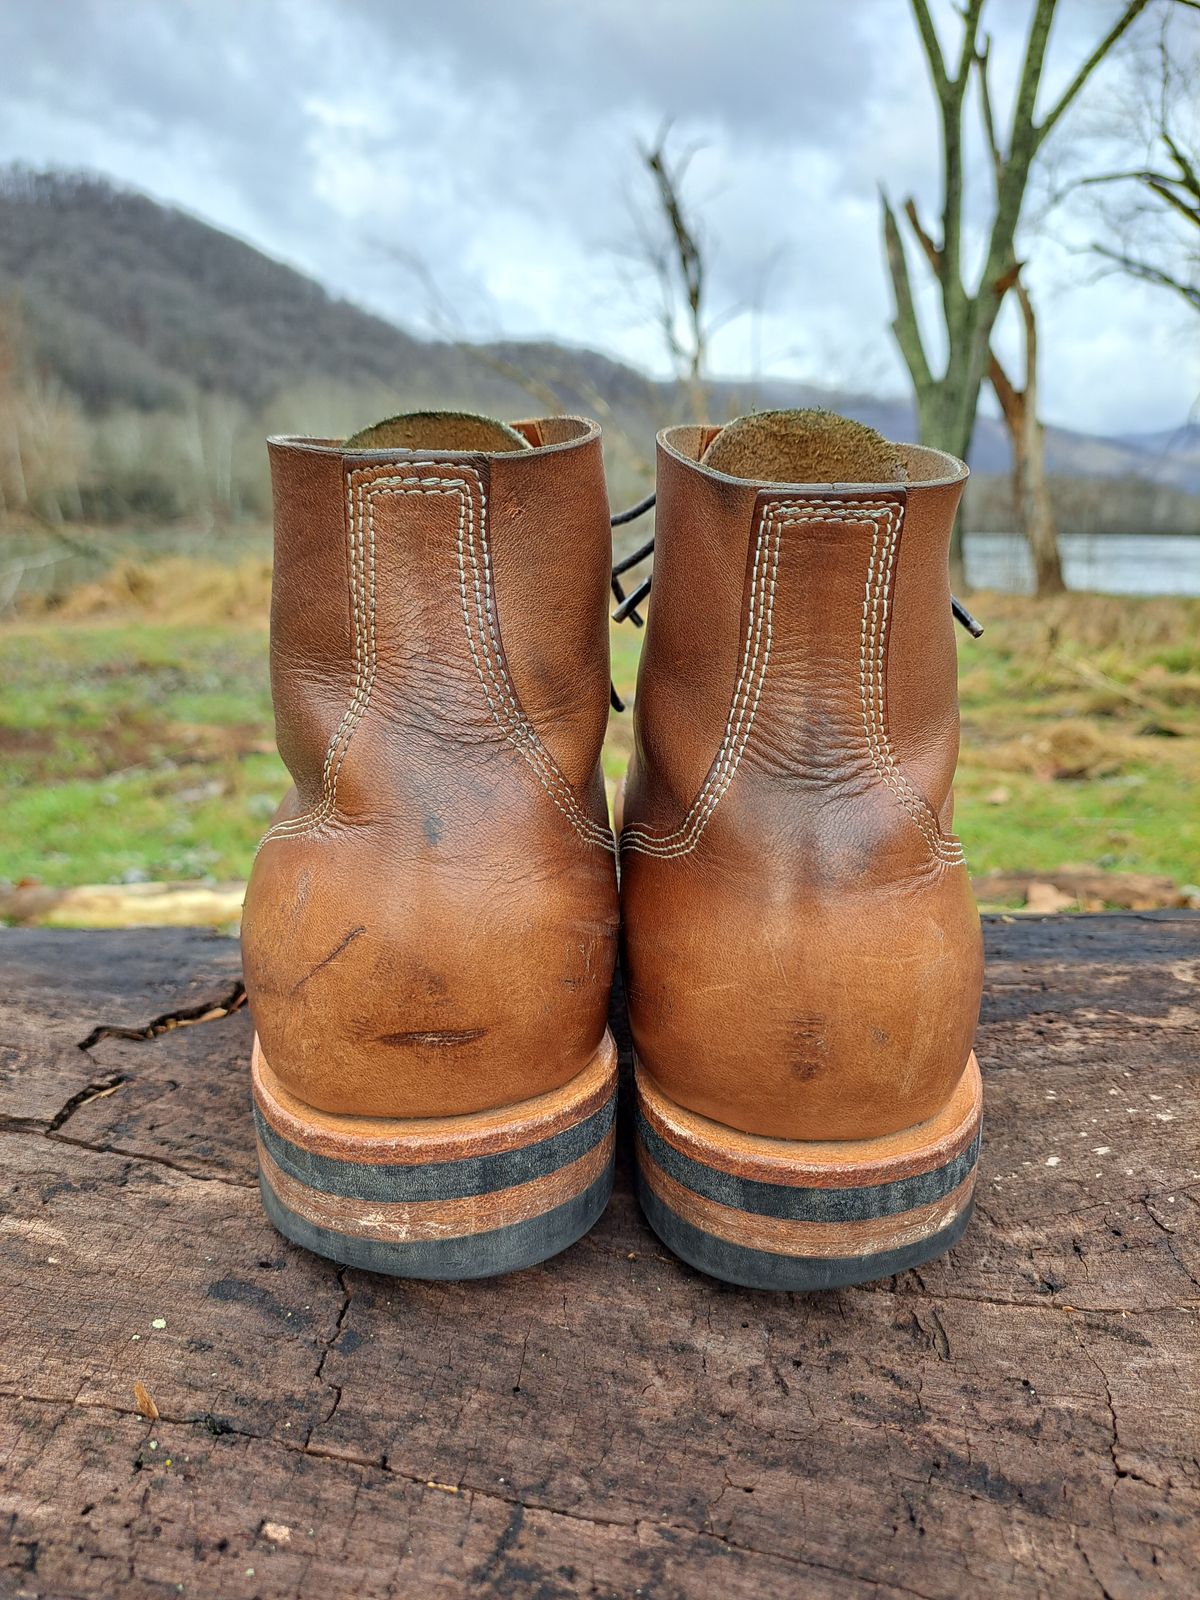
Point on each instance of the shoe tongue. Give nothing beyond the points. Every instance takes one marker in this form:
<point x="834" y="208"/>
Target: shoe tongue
<point x="437" y="430"/>
<point x="804" y="447"/>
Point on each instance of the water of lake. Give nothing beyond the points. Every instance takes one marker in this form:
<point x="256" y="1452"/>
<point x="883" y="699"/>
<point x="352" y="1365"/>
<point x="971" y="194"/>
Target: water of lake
<point x="1108" y="563"/>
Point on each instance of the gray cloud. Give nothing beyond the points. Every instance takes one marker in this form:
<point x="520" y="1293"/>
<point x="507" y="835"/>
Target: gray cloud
<point x="494" y="143"/>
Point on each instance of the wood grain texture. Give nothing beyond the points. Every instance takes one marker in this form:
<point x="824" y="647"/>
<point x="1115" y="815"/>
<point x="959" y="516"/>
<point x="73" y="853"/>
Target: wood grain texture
<point x="1019" y="1418"/>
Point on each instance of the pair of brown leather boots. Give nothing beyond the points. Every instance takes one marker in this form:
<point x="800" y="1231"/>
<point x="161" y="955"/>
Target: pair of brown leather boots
<point x="432" y="923"/>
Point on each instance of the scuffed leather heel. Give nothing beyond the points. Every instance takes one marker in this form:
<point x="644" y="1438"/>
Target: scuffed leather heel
<point x="791" y="1214"/>
<point x="439" y="1197"/>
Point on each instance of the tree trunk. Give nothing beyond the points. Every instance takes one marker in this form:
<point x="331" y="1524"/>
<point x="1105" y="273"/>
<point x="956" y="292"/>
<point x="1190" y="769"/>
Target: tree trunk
<point x="1037" y="514"/>
<point x="946" y="404"/>
<point x="1027" y="437"/>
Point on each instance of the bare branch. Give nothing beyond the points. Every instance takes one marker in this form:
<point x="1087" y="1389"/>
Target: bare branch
<point x="932" y="254"/>
<point x="1188" y="178"/>
<point x="673" y="249"/>
<point x="1005" y="391"/>
<point x="905" y="325"/>
<point x="982" y="62"/>
<point x="947" y="402"/>
<point x="1144" y="175"/>
<point x="1131" y="12"/>
<point x="1166" y="189"/>
<point x="688" y="257"/>
<point x="1147" y="272"/>
<point x="1022" y="138"/>
<point x="1187" y="208"/>
<point x="970" y="15"/>
<point x="933" y="50"/>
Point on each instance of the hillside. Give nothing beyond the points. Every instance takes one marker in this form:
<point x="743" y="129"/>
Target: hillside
<point x="127" y="303"/>
<point x="132" y="303"/>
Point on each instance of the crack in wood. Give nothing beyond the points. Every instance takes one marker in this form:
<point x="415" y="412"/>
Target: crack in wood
<point x="335" y="1334"/>
<point x="142" y="1157"/>
<point x="185" y="1017"/>
<point x="167" y="1022"/>
<point x="90" y="1092"/>
<point x="521" y="1506"/>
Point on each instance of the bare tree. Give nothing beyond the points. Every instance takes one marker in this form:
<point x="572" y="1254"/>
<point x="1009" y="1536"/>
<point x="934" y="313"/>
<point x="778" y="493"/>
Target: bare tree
<point x="1027" y="438"/>
<point x="41" y="445"/>
<point x="674" y="252"/>
<point x="1152" y="208"/>
<point x="14" y="490"/>
<point x="947" y="400"/>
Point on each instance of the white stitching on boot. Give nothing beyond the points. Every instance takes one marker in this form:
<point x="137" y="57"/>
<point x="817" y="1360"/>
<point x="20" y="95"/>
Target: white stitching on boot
<point x="876" y="600"/>
<point x="509" y="716"/>
<point x="756" y="653"/>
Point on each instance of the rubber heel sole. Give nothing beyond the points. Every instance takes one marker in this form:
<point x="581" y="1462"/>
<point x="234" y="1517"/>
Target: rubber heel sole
<point x="787" y="1214"/>
<point x="439" y="1197"/>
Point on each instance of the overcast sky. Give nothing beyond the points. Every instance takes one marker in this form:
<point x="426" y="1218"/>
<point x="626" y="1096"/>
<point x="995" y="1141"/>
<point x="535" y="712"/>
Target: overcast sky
<point x="492" y="142"/>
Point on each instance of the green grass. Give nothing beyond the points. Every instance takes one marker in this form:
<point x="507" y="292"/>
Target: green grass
<point x="626" y="652"/>
<point x="1081" y="736"/>
<point x="134" y="751"/>
<point x="143" y="749"/>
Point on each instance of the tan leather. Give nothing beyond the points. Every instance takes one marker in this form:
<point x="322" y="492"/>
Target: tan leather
<point x="801" y="946"/>
<point x="430" y="926"/>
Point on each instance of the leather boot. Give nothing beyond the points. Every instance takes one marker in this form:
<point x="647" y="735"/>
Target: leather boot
<point x="801" y="947"/>
<point x="430" y="927"/>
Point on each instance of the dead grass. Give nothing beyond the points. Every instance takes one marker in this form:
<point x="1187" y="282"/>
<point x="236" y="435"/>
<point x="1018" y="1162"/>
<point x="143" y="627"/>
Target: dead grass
<point x="1091" y="623"/>
<point x="174" y="589"/>
<point x="1066" y="750"/>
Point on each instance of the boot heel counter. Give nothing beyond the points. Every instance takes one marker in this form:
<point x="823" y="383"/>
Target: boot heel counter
<point x="386" y="987"/>
<point x="843" y="1016"/>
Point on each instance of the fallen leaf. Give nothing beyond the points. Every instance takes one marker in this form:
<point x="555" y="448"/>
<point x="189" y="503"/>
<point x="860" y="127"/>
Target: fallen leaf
<point x="145" y="1405"/>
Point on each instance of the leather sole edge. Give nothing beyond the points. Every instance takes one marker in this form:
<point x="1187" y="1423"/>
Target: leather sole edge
<point x="793" y="1215"/>
<point x="526" y="1195"/>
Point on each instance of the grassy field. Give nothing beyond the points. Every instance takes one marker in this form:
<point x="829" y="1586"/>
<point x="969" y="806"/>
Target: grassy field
<point x="135" y="732"/>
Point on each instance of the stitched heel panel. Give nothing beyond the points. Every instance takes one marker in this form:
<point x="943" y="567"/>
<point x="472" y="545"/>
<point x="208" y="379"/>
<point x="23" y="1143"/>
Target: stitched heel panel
<point x="439" y="1197"/>
<point x="790" y="1214"/>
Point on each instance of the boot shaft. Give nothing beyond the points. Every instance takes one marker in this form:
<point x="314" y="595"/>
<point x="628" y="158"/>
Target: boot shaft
<point x="428" y="602"/>
<point x="799" y="670"/>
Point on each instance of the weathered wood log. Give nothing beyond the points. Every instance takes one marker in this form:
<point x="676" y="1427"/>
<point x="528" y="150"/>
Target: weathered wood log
<point x="124" y="905"/>
<point x="1020" y="1418"/>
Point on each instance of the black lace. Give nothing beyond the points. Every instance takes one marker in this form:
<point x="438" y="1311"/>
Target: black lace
<point x="627" y="604"/>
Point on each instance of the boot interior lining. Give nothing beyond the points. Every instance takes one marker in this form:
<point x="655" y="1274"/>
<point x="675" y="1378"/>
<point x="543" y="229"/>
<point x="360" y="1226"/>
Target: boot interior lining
<point x="917" y="464"/>
<point x="438" y="430"/>
<point x="803" y="447"/>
